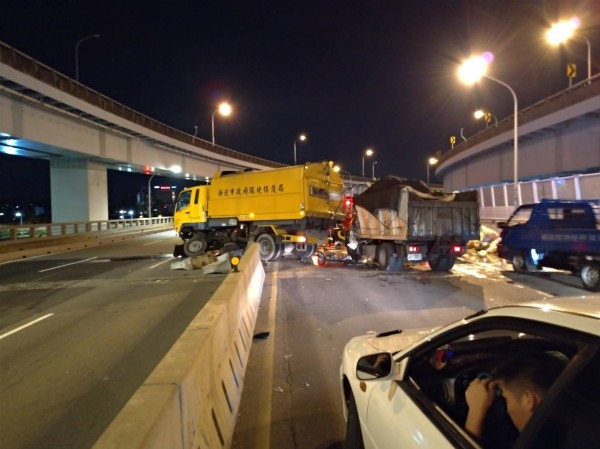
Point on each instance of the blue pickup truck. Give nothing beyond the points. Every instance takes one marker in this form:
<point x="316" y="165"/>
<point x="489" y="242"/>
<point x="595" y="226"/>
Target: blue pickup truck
<point x="562" y="234"/>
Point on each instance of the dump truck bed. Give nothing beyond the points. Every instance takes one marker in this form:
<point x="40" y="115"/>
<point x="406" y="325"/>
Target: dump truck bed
<point x="398" y="209"/>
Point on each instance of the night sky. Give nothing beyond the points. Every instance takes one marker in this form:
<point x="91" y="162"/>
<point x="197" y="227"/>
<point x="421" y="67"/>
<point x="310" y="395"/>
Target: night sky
<point x="349" y="74"/>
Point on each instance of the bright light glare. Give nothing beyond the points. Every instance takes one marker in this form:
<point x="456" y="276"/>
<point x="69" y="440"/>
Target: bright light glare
<point x="432" y="161"/>
<point x="225" y="109"/>
<point x="302" y="137"/>
<point x="369" y="152"/>
<point x="336" y="168"/>
<point x="175" y="169"/>
<point x="474" y="68"/>
<point x="478" y="114"/>
<point x="562" y="31"/>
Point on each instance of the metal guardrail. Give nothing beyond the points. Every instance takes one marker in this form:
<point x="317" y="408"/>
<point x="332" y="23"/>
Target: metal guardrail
<point x="29" y="232"/>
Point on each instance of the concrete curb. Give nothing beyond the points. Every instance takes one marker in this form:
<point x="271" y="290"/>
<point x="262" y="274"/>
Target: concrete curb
<point x="192" y="398"/>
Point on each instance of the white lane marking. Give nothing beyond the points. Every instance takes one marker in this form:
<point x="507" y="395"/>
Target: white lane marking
<point x="159" y="263"/>
<point x="20" y="328"/>
<point x="262" y="434"/>
<point x="152" y="243"/>
<point x="67" y="264"/>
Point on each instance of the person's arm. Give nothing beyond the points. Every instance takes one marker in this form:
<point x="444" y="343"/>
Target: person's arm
<point x="479" y="396"/>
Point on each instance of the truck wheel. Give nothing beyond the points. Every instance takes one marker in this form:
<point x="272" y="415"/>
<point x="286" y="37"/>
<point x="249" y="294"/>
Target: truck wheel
<point x="306" y="253"/>
<point x="195" y="245"/>
<point x="590" y="276"/>
<point x="269" y="250"/>
<point x="384" y="254"/>
<point x="441" y="263"/>
<point x="518" y="262"/>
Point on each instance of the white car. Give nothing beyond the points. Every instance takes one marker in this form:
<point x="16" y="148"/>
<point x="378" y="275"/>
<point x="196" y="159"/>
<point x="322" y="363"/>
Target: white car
<point x="406" y="389"/>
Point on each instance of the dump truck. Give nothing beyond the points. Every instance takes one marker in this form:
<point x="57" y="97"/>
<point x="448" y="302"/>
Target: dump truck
<point x="398" y="222"/>
<point x="561" y="234"/>
<point x="285" y="210"/>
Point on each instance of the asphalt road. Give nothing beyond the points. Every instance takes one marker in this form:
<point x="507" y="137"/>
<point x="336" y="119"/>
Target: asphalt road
<point x="80" y="331"/>
<point x="291" y="393"/>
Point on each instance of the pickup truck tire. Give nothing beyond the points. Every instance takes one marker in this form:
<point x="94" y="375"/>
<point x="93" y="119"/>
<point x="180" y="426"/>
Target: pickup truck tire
<point x="518" y="262"/>
<point x="441" y="263"/>
<point x="384" y="254"/>
<point x="269" y="250"/>
<point x="590" y="276"/>
<point x="195" y="245"/>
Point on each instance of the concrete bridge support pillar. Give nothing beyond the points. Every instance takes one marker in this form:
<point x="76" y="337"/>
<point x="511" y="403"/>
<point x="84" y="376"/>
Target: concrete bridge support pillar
<point x="78" y="190"/>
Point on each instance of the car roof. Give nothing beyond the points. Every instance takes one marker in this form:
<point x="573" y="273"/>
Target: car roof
<point x="576" y="312"/>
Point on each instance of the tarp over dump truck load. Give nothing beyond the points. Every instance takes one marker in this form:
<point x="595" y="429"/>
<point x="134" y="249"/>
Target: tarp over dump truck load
<point x="399" y="209"/>
<point x="290" y="193"/>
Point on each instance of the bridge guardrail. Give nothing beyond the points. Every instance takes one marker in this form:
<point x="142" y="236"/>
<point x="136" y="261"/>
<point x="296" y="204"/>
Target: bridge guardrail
<point x="23" y="241"/>
<point x="14" y="233"/>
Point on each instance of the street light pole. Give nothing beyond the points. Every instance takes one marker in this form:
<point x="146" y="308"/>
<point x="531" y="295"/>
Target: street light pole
<point x="302" y="138"/>
<point x="224" y="109"/>
<point x="373" y="169"/>
<point x="150" y="196"/>
<point x="430" y="161"/>
<point x="368" y="152"/>
<point x="77" y="53"/>
<point x="562" y="31"/>
<point x="515" y="137"/>
<point x="472" y="71"/>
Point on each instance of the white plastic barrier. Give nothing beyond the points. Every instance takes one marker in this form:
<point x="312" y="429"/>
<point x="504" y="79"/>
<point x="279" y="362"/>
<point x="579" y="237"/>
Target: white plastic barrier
<point x="191" y="399"/>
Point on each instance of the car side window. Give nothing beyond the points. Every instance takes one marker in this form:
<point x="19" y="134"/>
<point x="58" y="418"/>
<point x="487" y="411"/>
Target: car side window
<point x="440" y="375"/>
<point x="575" y="413"/>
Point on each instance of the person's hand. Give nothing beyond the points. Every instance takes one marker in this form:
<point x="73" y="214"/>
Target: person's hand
<point x="480" y="395"/>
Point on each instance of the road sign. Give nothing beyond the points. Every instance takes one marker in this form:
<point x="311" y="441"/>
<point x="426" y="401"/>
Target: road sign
<point x="571" y="70"/>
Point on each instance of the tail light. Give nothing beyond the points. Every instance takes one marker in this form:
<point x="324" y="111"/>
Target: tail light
<point x="456" y="249"/>
<point x="414" y="249"/>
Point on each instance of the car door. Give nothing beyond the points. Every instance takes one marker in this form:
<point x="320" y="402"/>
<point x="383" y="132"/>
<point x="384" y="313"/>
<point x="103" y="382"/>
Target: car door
<point x="395" y="421"/>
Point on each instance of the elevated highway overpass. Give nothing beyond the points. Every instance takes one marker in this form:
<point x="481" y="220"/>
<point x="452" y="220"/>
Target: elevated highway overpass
<point x="83" y="133"/>
<point x="45" y="114"/>
<point x="558" y="153"/>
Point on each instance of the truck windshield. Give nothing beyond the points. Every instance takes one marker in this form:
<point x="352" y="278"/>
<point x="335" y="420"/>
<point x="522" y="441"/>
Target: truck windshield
<point x="522" y="215"/>
<point x="184" y="199"/>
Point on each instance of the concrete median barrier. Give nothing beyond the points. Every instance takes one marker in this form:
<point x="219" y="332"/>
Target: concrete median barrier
<point x="191" y="399"/>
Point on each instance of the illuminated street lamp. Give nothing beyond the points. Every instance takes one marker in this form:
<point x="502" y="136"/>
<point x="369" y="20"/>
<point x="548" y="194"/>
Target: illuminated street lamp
<point x="470" y="72"/>
<point x="487" y="116"/>
<point x="225" y="110"/>
<point x="430" y="161"/>
<point x="93" y="36"/>
<point x="301" y="138"/>
<point x="338" y="169"/>
<point x="562" y="31"/>
<point x="173" y="169"/>
<point x="373" y="169"/>
<point x="368" y="152"/>
<point x="19" y="215"/>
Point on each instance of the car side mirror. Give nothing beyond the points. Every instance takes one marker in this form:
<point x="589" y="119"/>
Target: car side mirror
<point x="374" y="366"/>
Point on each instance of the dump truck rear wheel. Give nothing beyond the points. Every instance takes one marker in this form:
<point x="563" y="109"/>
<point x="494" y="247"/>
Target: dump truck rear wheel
<point x="590" y="276"/>
<point x="384" y="254"/>
<point x="196" y="245"/>
<point x="441" y="263"/>
<point x="269" y="250"/>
